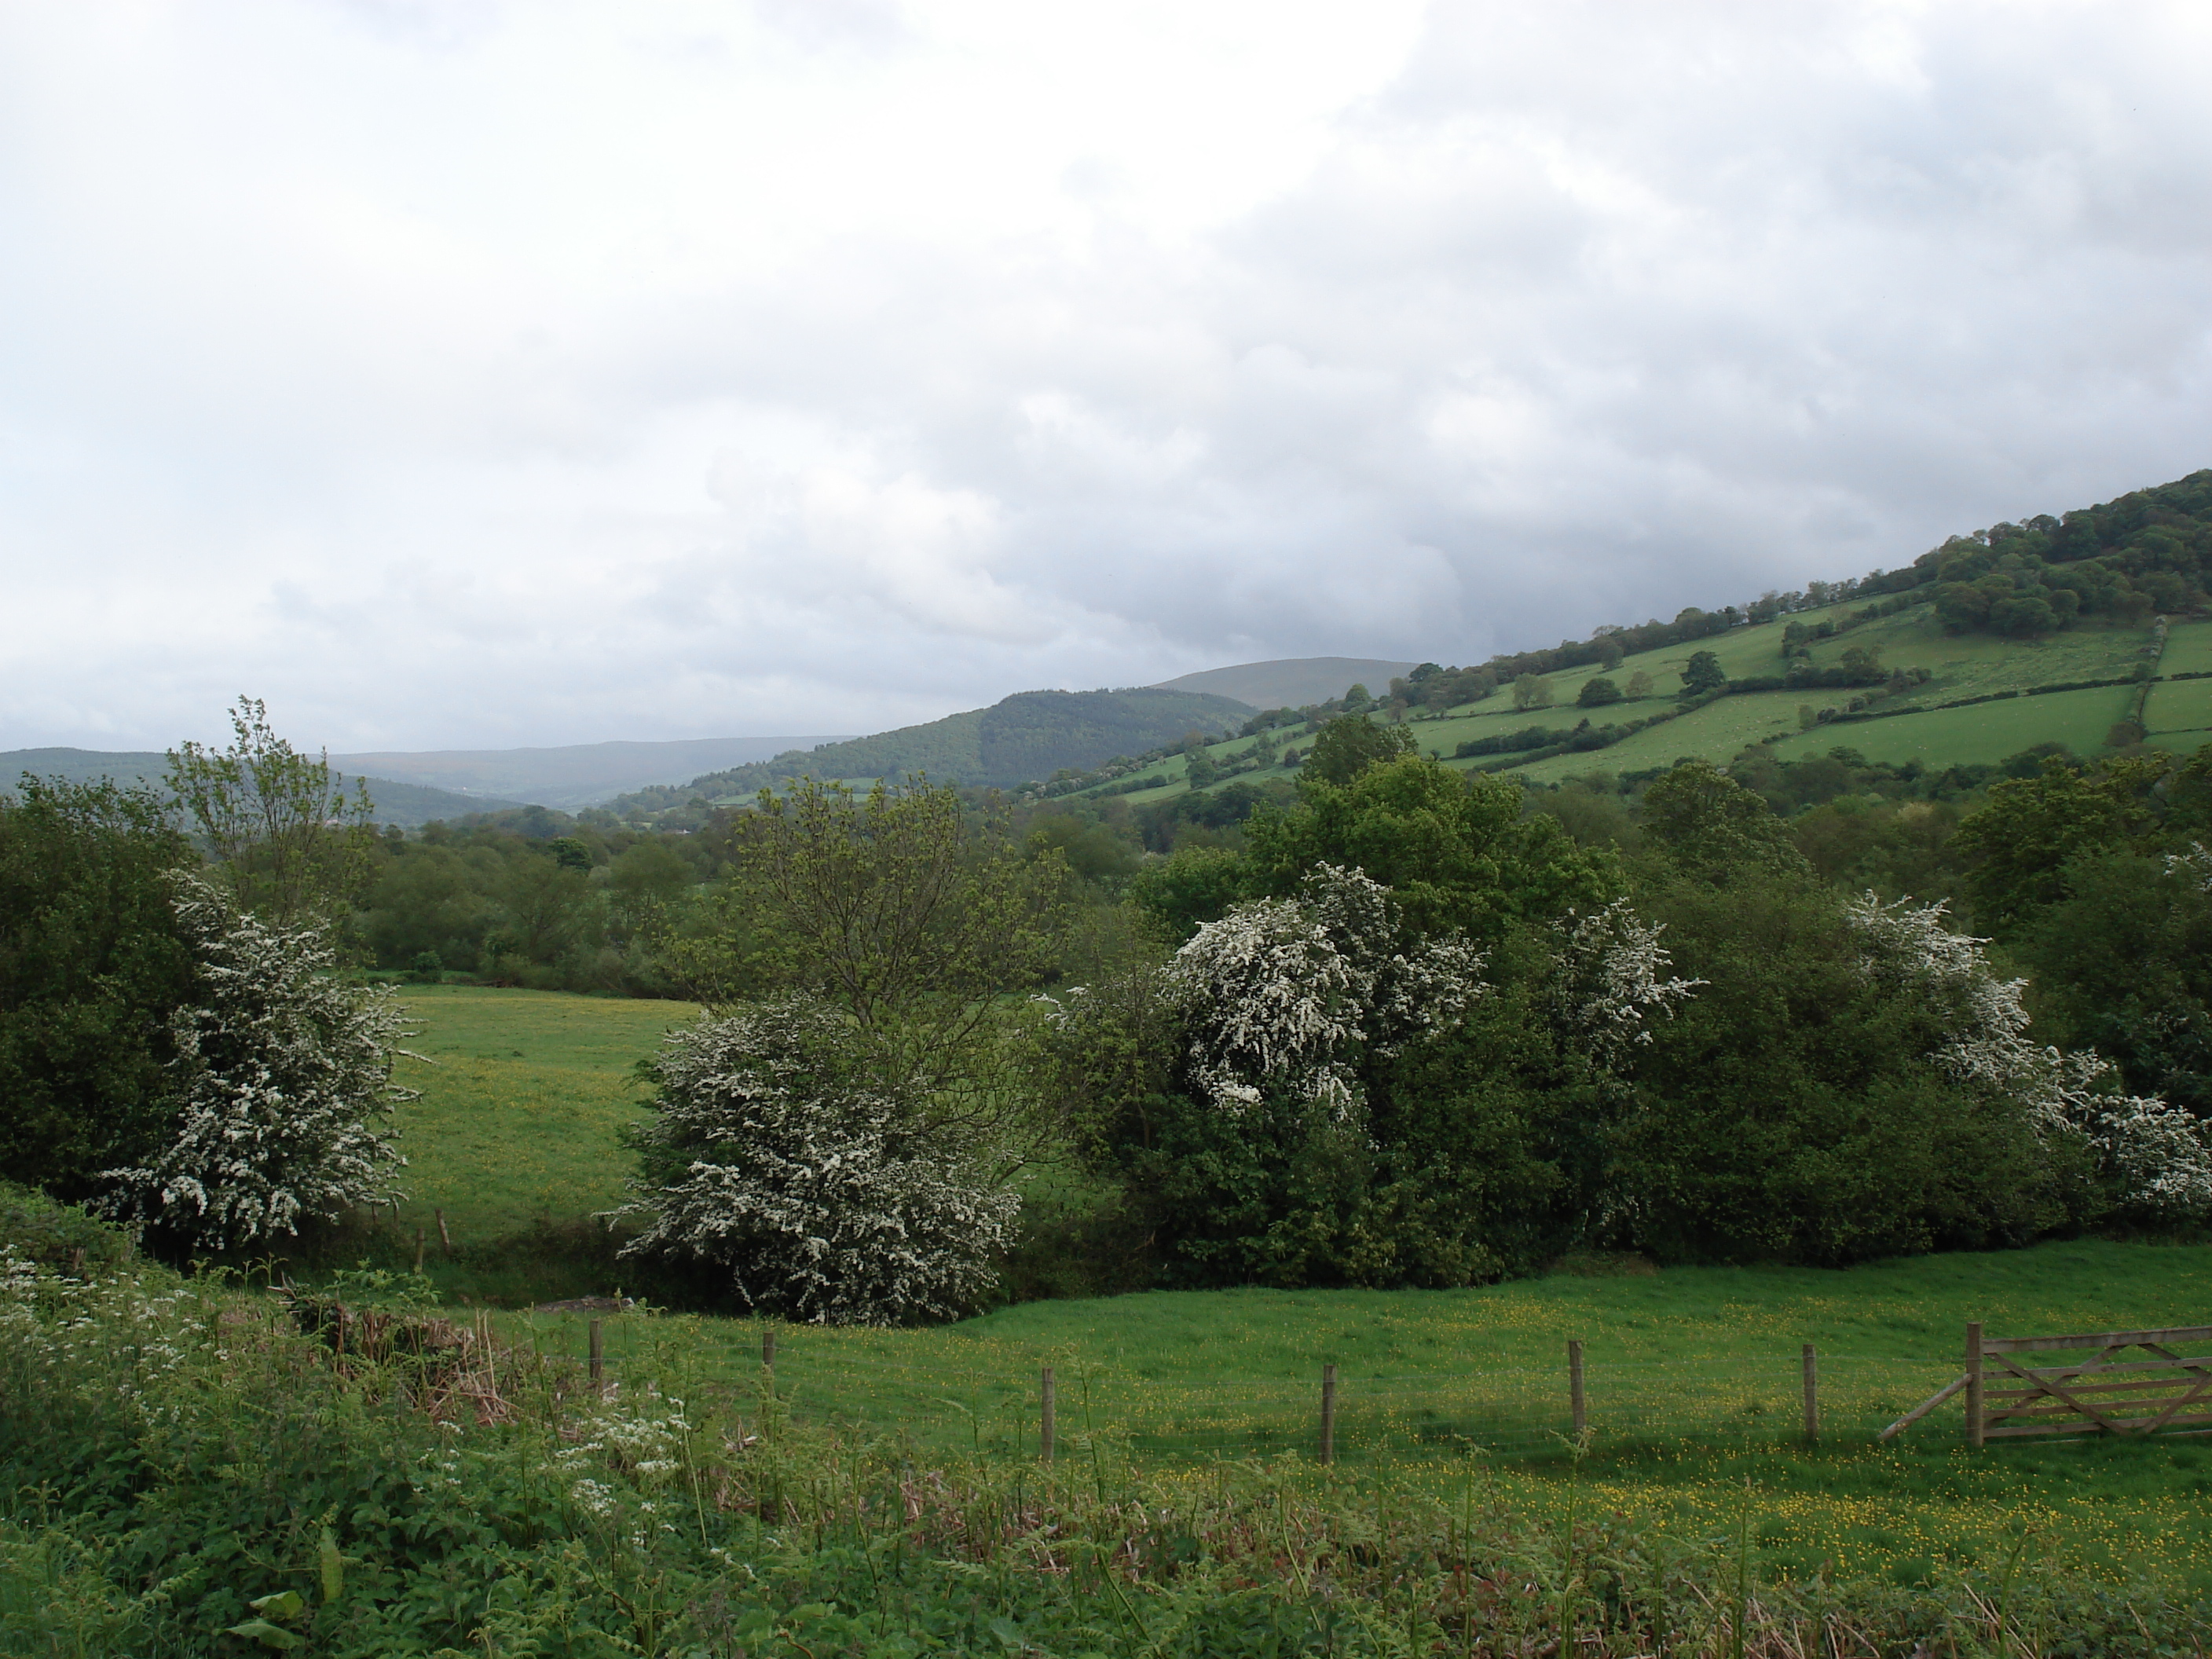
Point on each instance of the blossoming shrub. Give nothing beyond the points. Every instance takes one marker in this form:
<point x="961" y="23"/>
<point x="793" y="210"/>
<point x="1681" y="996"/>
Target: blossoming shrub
<point x="1288" y="995"/>
<point x="280" y="1074"/>
<point x="774" y="1154"/>
<point x="1801" y="1108"/>
<point x="2153" y="1156"/>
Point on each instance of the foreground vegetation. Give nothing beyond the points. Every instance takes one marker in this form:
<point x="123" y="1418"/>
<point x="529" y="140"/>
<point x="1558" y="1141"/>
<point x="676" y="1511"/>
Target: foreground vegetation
<point x="192" y="1467"/>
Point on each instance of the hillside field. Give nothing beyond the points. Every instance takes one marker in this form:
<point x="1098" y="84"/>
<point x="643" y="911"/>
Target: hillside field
<point x="1961" y="666"/>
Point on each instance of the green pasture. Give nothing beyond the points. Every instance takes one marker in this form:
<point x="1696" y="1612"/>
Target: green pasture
<point x="2188" y="650"/>
<point x="1715" y="732"/>
<point x="2180" y="708"/>
<point x="522" y="1095"/>
<point x="1693" y="1378"/>
<point x="1983" y="733"/>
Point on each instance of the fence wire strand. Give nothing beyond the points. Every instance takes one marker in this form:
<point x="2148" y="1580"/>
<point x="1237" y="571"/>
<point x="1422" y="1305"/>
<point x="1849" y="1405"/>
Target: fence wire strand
<point x="1513" y="1412"/>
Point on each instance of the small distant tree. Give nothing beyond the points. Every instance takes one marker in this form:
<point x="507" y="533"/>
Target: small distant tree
<point x="1357" y="700"/>
<point x="287" y="840"/>
<point x="1349" y="744"/>
<point x="1597" y="692"/>
<point x="1532" y="691"/>
<point x="1702" y="673"/>
<point x="280" y="1073"/>
<point x="895" y="907"/>
<point x="1201" y="768"/>
<point x="1639" y="683"/>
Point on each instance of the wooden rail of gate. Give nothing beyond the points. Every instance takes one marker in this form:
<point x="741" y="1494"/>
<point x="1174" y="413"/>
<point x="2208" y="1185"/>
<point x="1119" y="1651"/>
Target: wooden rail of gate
<point x="2170" y="1392"/>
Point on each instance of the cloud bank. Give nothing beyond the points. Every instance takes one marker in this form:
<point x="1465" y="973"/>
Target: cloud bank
<point x="460" y="373"/>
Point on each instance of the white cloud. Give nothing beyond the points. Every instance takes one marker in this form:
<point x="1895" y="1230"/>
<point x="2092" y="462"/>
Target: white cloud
<point x="468" y="374"/>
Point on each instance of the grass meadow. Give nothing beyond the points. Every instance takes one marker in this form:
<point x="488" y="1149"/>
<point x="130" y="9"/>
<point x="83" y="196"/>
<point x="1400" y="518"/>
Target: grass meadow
<point x="522" y="1095"/>
<point x="1693" y="1375"/>
<point x="1693" y="1379"/>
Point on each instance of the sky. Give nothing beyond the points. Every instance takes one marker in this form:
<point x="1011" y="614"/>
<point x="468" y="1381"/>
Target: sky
<point x="457" y="374"/>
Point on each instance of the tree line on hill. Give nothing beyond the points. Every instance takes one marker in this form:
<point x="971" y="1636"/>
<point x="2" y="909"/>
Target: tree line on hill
<point x="1395" y="1025"/>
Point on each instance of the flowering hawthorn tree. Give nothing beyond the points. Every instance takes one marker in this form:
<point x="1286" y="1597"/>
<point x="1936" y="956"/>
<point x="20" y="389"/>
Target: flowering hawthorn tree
<point x="2154" y="1152"/>
<point x="774" y="1154"/>
<point x="1286" y="993"/>
<point x="281" y="1071"/>
<point x="1607" y="980"/>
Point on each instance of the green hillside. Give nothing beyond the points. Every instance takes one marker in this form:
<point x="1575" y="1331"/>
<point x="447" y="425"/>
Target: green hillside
<point x="1022" y="739"/>
<point x="2016" y="635"/>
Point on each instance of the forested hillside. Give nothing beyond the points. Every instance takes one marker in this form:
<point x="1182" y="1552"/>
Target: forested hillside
<point x="1028" y="735"/>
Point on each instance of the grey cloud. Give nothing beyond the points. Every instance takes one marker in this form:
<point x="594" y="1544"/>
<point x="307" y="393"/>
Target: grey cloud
<point x="1583" y="314"/>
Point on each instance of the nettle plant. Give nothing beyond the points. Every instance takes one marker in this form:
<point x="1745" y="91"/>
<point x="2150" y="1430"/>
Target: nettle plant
<point x="1287" y="994"/>
<point x="776" y="1153"/>
<point x="2154" y="1154"/>
<point x="282" y="1075"/>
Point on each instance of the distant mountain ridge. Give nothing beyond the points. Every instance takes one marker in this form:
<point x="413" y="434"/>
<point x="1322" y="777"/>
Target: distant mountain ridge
<point x="407" y="804"/>
<point x="1018" y="739"/>
<point x="574" y="775"/>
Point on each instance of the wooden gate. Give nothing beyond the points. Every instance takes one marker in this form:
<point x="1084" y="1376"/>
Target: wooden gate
<point x="2170" y="1392"/>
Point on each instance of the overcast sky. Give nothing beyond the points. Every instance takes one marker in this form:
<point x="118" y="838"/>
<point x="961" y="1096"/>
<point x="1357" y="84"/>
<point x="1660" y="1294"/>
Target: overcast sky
<point x="460" y="374"/>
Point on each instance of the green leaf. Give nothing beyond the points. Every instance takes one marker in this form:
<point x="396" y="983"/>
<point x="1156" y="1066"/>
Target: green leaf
<point x="332" y="1565"/>
<point x="269" y="1635"/>
<point x="284" y="1604"/>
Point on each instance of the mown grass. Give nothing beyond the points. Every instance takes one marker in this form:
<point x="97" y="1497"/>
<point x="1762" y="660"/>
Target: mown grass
<point x="2180" y="709"/>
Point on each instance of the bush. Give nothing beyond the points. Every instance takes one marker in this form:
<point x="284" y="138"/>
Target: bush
<point x="61" y="1237"/>
<point x="280" y="1069"/>
<point x="775" y="1155"/>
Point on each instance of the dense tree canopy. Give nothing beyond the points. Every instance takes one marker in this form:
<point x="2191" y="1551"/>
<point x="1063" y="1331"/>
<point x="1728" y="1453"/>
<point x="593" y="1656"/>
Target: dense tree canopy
<point x="91" y="961"/>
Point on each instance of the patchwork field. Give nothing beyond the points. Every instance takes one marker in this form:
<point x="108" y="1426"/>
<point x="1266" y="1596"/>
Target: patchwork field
<point x="1985" y="732"/>
<point x="1961" y="666"/>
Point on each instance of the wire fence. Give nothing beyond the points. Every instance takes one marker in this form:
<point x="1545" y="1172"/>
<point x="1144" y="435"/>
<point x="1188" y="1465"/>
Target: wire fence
<point x="1516" y="1411"/>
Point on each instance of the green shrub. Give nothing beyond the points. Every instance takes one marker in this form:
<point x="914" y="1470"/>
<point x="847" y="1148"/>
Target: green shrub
<point x="59" y="1237"/>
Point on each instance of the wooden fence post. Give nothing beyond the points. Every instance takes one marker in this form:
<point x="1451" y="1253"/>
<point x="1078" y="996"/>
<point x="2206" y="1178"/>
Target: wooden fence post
<point x="768" y="1349"/>
<point x="598" y="1351"/>
<point x="445" y="1238"/>
<point x="418" y="1249"/>
<point x="1329" y="1413"/>
<point x="1812" y="1396"/>
<point x="1045" y="1422"/>
<point x="1974" y="1383"/>
<point x="1575" y="1397"/>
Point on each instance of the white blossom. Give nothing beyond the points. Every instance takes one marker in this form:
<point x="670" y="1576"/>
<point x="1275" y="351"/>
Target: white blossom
<point x="824" y="1198"/>
<point x="2156" y="1152"/>
<point x="1283" y="993"/>
<point x="279" y="1070"/>
<point x="1607" y="979"/>
<point x="2194" y="864"/>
